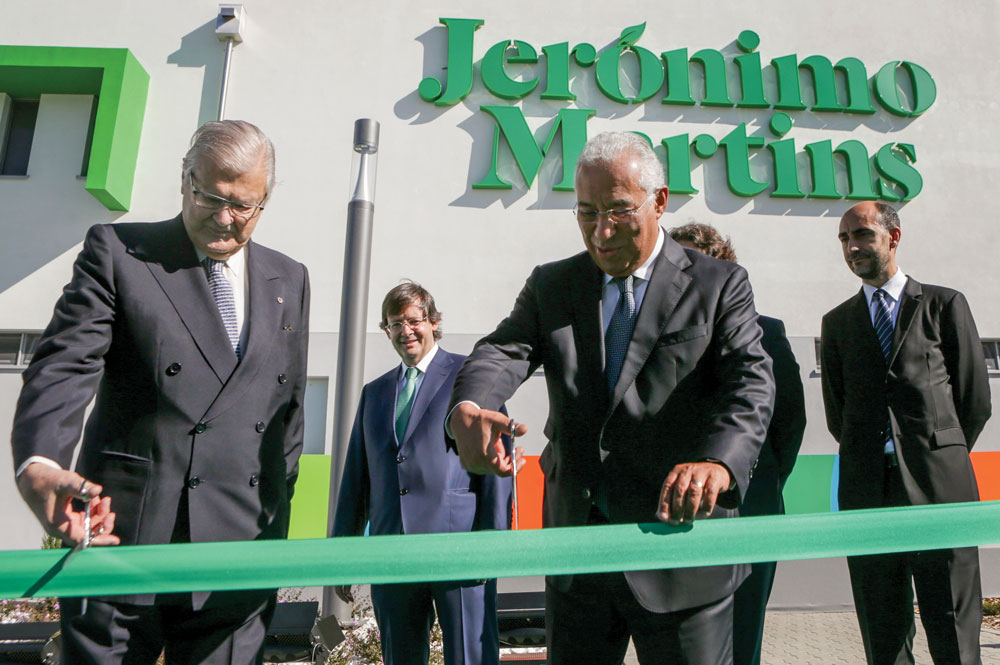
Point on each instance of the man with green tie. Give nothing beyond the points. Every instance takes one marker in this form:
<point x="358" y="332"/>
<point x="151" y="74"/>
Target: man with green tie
<point x="400" y="478"/>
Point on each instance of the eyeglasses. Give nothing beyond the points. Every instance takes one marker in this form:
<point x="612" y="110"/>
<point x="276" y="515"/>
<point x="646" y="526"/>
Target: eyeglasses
<point x="238" y="209"/>
<point x="619" y="216"/>
<point x="397" y="326"/>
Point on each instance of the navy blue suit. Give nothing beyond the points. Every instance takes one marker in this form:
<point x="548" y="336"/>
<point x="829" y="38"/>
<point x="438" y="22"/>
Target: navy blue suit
<point x="419" y="486"/>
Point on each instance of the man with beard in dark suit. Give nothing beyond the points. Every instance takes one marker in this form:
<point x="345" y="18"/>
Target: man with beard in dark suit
<point x="906" y="394"/>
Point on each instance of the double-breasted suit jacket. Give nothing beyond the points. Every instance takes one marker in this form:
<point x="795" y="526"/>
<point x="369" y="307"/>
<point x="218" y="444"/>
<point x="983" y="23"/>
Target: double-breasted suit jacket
<point x="935" y="389"/>
<point x="695" y="385"/>
<point x="176" y="412"/>
<point x="416" y="485"/>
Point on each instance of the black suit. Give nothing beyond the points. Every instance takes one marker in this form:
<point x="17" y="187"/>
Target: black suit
<point x="936" y="393"/>
<point x="190" y="443"/>
<point x="763" y="497"/>
<point x="695" y="385"/>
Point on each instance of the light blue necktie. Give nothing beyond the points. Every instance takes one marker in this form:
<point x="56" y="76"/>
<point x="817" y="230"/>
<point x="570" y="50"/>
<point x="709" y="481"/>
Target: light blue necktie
<point x="404" y="403"/>
<point x="619" y="332"/>
<point x="222" y="292"/>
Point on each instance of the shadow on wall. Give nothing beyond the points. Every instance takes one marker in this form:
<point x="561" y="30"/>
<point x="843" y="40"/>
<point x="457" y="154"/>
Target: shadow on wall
<point x="47" y="213"/>
<point x="202" y="48"/>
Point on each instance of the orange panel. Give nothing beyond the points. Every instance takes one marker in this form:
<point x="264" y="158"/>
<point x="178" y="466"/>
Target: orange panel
<point x="530" y="488"/>
<point x="987" y="468"/>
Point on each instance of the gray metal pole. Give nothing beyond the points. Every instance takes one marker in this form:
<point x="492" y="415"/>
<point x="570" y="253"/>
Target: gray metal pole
<point x="225" y="79"/>
<point x="353" y="316"/>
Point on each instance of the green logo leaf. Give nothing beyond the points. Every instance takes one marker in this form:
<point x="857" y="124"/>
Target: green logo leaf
<point x="631" y="35"/>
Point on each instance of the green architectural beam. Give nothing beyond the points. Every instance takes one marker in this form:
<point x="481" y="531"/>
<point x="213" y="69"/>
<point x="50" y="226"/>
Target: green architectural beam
<point x="119" y="84"/>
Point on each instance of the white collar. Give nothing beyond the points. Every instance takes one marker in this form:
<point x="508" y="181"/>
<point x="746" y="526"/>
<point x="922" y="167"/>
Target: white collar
<point x="424" y="363"/>
<point x="237" y="262"/>
<point x="893" y="287"/>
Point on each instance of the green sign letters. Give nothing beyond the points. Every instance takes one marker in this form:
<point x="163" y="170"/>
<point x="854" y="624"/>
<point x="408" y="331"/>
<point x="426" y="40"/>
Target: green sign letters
<point x="509" y="71"/>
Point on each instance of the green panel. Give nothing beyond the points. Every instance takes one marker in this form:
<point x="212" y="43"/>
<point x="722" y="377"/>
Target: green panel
<point x="808" y="488"/>
<point x="311" y="501"/>
<point x="119" y="83"/>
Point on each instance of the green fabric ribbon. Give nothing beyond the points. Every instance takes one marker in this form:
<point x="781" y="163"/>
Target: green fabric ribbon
<point x="485" y="554"/>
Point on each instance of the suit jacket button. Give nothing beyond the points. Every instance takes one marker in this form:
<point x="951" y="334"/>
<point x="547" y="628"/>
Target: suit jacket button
<point x="400" y="459"/>
<point x="586" y="493"/>
<point x="173" y="369"/>
<point x="404" y="492"/>
<point x="282" y="378"/>
<point x="260" y="427"/>
<point x="193" y="482"/>
<point x="254" y="480"/>
<point x="200" y="427"/>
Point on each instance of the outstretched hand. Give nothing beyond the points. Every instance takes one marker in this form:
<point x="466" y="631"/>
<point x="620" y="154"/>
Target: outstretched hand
<point x="478" y="437"/>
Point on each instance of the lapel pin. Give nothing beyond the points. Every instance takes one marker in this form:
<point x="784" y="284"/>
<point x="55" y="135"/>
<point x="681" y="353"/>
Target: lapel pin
<point x="280" y="300"/>
<point x="287" y="328"/>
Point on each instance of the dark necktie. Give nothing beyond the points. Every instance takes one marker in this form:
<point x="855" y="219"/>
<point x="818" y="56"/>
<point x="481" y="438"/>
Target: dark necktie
<point x="883" y="330"/>
<point x="883" y="323"/>
<point x="222" y="292"/>
<point x="619" y="332"/>
<point x="404" y="403"/>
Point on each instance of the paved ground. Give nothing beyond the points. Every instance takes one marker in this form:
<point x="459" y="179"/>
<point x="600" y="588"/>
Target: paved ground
<point x="832" y="638"/>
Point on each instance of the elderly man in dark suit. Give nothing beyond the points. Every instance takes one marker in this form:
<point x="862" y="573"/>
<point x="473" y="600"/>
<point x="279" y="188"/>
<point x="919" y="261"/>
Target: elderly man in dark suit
<point x="193" y="339"/>
<point x="906" y="394"/>
<point x="400" y="477"/>
<point x="659" y="394"/>
<point x="777" y="456"/>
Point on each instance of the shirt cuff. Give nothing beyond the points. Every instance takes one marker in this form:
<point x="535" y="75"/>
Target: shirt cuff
<point x="36" y="458"/>
<point x="447" y="419"/>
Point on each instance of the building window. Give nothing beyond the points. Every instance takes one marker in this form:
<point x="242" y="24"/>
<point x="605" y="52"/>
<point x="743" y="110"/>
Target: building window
<point x="17" y="130"/>
<point x="991" y="352"/>
<point x="17" y="348"/>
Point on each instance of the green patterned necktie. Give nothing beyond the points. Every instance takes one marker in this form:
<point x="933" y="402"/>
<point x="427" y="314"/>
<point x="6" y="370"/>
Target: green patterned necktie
<point x="405" y="402"/>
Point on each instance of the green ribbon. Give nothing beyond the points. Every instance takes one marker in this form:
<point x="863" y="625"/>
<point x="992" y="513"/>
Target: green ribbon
<point x="486" y="554"/>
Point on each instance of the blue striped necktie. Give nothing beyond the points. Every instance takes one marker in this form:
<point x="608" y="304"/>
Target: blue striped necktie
<point x="619" y="332"/>
<point x="222" y="292"/>
<point x="883" y="330"/>
<point x="883" y="323"/>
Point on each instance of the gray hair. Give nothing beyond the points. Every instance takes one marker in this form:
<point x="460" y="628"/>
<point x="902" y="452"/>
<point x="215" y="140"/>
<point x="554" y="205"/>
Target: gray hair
<point x="234" y="147"/>
<point x="607" y="147"/>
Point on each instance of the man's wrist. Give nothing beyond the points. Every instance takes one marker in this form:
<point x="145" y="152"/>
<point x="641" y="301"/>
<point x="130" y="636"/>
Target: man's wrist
<point x="447" y="420"/>
<point x="32" y="460"/>
<point x="732" y="478"/>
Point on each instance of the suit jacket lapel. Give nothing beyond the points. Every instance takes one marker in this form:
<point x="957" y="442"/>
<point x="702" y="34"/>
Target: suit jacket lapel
<point x="435" y="377"/>
<point x="174" y="265"/>
<point x="263" y="320"/>
<point x="666" y="285"/>
<point x="908" y="305"/>
<point x="586" y="296"/>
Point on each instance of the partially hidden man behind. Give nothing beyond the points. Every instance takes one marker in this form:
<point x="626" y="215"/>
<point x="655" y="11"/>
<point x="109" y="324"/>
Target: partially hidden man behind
<point x="659" y="399"/>
<point x="401" y="477"/>
<point x="194" y="340"/>
<point x="906" y="394"/>
<point x="777" y="456"/>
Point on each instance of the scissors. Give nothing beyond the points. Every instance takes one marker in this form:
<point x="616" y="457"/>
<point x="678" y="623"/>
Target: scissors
<point x="513" y="474"/>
